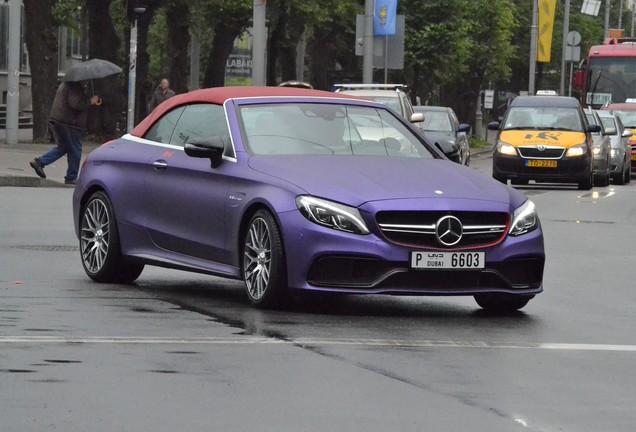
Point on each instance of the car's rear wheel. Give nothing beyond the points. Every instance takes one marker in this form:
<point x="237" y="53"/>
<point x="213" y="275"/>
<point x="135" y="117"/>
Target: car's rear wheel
<point x="100" y="248"/>
<point x="502" y="303"/>
<point x="264" y="268"/>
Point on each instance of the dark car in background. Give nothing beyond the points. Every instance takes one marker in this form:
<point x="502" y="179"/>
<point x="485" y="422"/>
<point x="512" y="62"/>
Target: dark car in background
<point x="442" y="126"/>
<point x="294" y="190"/>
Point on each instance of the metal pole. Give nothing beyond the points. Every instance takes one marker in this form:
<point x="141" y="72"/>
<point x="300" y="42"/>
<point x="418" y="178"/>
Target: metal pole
<point x="620" y="15"/>
<point x="566" y="30"/>
<point x="13" y="72"/>
<point x="607" y="13"/>
<point x="386" y="59"/>
<point x="132" y="76"/>
<point x="571" y="73"/>
<point x="195" y="54"/>
<point x="478" y="117"/>
<point x="259" y="43"/>
<point x="367" y="59"/>
<point x="533" y="47"/>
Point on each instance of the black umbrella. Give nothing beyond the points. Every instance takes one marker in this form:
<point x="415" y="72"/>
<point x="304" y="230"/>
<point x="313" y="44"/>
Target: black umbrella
<point x="91" y="69"/>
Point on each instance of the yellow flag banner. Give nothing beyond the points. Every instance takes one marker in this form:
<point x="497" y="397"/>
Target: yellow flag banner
<point x="546" y="25"/>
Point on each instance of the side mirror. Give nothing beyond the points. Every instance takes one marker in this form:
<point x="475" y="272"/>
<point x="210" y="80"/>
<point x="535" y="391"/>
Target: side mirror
<point x="450" y="150"/>
<point x="627" y="133"/>
<point x="417" y="118"/>
<point x="493" y="125"/>
<point x="464" y="127"/>
<point x="211" y="148"/>
<point x="610" y="131"/>
<point x="593" y="128"/>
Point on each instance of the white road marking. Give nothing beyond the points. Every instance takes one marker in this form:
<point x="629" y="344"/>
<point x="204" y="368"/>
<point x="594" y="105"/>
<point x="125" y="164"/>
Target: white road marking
<point x="255" y="340"/>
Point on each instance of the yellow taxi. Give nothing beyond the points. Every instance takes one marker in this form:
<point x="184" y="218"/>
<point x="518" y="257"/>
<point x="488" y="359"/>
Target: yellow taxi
<point x="545" y="139"/>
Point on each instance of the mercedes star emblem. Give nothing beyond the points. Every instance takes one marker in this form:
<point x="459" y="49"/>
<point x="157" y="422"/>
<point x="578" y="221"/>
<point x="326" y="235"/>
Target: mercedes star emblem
<point x="449" y="230"/>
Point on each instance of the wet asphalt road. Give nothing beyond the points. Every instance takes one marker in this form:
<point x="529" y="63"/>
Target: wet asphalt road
<point x="179" y="351"/>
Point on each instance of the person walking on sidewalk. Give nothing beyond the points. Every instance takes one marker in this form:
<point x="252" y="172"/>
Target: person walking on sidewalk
<point x="67" y="124"/>
<point x="162" y="93"/>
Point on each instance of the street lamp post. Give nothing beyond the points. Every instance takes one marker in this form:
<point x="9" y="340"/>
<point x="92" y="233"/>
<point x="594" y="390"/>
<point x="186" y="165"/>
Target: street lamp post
<point x="132" y="69"/>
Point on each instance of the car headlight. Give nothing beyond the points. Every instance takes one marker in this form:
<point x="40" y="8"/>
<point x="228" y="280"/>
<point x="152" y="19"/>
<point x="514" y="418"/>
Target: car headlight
<point x="596" y="150"/>
<point x="577" y="150"/>
<point x="524" y="219"/>
<point x="614" y="153"/>
<point x="331" y="214"/>
<point x="506" y="149"/>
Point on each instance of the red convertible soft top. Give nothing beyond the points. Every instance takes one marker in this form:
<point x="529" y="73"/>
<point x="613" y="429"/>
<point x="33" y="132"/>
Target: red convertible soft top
<point x="219" y="95"/>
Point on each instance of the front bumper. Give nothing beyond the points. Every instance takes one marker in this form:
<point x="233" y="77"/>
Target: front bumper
<point x="322" y="259"/>
<point x="568" y="170"/>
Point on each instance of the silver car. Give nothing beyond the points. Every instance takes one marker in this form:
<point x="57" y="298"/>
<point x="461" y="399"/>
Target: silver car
<point x="620" y="165"/>
<point x="442" y="126"/>
<point x="601" y="148"/>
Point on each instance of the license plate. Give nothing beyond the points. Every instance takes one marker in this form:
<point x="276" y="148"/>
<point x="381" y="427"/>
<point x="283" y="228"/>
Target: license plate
<point x="634" y="157"/>
<point x="448" y="260"/>
<point x="538" y="163"/>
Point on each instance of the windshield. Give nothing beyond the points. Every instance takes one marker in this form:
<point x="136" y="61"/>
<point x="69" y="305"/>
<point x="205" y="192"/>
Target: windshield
<point x="327" y="129"/>
<point x="436" y="121"/>
<point x="609" y="123"/>
<point x="610" y="80"/>
<point x="628" y="117"/>
<point x="543" y="118"/>
<point x="391" y="102"/>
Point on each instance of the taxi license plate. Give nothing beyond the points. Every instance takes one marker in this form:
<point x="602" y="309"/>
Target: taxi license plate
<point x="448" y="260"/>
<point x="538" y="163"/>
<point x="634" y="157"/>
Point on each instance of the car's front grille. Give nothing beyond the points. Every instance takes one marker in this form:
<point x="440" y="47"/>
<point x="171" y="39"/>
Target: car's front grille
<point x="420" y="228"/>
<point x="541" y="152"/>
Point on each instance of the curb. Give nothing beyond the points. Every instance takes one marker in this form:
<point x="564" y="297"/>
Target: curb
<point x="23" y="181"/>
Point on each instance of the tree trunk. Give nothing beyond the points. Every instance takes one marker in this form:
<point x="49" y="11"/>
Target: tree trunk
<point x="219" y="53"/>
<point x="104" y="44"/>
<point x="178" y="21"/>
<point x="41" y="41"/>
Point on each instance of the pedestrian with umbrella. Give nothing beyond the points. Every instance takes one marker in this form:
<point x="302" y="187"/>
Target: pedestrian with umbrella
<point x="67" y="120"/>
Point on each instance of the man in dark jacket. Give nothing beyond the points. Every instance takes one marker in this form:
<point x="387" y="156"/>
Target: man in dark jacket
<point x="67" y="124"/>
<point x="162" y="93"/>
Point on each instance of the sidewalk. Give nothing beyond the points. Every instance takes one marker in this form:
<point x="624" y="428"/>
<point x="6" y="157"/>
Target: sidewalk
<point x="14" y="162"/>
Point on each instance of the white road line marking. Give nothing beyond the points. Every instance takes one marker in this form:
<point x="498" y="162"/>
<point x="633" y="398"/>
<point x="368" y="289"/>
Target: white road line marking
<point x="255" y="340"/>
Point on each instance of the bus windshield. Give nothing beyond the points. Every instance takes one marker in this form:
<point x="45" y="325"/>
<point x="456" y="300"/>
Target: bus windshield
<point x="610" y="80"/>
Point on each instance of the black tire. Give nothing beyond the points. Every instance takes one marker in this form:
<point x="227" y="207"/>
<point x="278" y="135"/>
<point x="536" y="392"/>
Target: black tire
<point x="628" y="172"/>
<point x="587" y="183"/>
<point x="502" y="303"/>
<point x="100" y="248"/>
<point x="501" y="179"/>
<point x="264" y="266"/>
<point x="619" y="179"/>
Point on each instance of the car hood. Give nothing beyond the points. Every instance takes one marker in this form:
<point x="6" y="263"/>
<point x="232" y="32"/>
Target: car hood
<point x="354" y="180"/>
<point x="532" y="137"/>
<point x="434" y="137"/>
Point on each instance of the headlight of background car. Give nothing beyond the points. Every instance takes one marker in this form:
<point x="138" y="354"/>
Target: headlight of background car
<point x="577" y="150"/>
<point x="524" y="219"/>
<point x="506" y="149"/>
<point x="331" y="214"/>
<point x="614" y="152"/>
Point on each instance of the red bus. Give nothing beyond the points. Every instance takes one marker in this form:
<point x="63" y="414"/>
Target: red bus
<point x="609" y="73"/>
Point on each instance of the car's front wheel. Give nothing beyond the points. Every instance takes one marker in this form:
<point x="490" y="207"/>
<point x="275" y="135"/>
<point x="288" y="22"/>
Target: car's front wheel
<point x="264" y="268"/>
<point x="502" y="303"/>
<point x="100" y="248"/>
<point x="587" y="182"/>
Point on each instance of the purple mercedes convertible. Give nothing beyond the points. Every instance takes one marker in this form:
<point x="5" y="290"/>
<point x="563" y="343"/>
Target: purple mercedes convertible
<point x="297" y="190"/>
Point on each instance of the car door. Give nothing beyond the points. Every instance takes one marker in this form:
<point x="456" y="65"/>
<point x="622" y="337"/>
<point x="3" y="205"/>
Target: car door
<point x="186" y="197"/>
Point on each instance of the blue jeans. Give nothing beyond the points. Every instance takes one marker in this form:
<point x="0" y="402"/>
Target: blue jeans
<point x="69" y="143"/>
